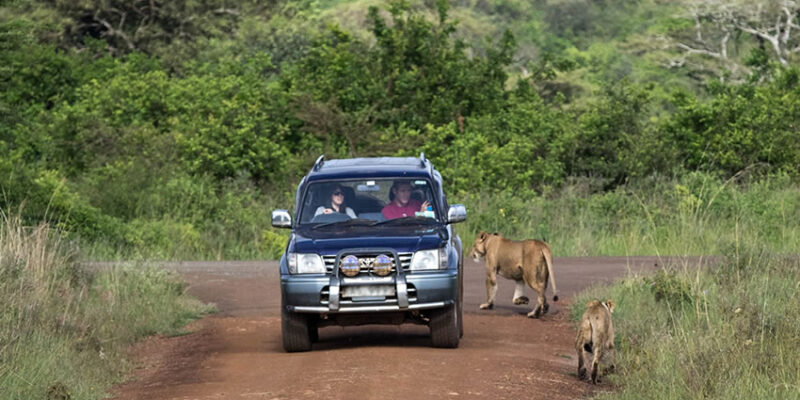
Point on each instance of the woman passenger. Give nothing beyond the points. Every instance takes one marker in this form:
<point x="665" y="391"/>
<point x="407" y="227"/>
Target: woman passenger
<point x="336" y="205"/>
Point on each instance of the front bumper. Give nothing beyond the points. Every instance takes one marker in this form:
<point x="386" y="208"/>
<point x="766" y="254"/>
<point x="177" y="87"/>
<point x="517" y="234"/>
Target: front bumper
<point x="321" y="294"/>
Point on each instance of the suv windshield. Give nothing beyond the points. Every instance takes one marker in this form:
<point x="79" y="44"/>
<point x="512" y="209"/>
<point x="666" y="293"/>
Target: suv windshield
<point x="368" y="202"/>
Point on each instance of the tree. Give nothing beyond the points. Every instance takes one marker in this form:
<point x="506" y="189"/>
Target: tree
<point x="141" y="25"/>
<point x="720" y="28"/>
<point x="362" y="97"/>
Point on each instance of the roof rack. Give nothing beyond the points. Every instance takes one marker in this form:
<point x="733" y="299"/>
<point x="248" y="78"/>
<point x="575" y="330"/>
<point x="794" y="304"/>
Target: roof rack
<point x="318" y="163"/>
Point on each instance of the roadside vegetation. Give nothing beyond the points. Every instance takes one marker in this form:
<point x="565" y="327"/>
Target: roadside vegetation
<point x="696" y="214"/>
<point x="64" y="329"/>
<point x="722" y="332"/>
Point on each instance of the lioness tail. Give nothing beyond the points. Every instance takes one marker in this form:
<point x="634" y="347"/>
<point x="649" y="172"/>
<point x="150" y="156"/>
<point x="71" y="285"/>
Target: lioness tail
<point x="548" y="258"/>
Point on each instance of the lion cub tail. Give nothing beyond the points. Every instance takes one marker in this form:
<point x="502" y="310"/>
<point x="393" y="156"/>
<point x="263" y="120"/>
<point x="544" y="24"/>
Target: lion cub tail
<point x="548" y="258"/>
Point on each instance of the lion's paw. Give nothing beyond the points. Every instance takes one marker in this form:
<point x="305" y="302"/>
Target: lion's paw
<point x="521" y="300"/>
<point x="535" y="313"/>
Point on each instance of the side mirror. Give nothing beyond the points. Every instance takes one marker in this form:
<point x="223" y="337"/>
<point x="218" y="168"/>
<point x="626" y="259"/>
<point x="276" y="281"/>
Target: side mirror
<point x="456" y="213"/>
<point x="281" y="219"/>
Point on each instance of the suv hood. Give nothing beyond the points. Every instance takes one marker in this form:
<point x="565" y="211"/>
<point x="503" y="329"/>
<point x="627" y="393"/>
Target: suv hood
<point x="331" y="245"/>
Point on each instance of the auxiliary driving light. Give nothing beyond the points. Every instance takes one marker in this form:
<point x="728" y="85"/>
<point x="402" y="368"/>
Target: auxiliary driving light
<point x="382" y="265"/>
<point x="350" y="266"/>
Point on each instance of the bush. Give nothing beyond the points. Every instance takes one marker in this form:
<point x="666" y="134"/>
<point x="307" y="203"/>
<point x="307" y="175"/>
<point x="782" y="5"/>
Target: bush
<point x="740" y="127"/>
<point x="163" y="239"/>
<point x="274" y="243"/>
<point x="670" y="287"/>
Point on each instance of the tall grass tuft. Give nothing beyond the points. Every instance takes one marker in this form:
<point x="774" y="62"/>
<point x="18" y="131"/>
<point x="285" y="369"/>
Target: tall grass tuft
<point x="724" y="332"/>
<point x="63" y="329"/>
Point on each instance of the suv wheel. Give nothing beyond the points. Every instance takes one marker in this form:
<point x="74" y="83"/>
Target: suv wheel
<point x="296" y="331"/>
<point x="444" y="327"/>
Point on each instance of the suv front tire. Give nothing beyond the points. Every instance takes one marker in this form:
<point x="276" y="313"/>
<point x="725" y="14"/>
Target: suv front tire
<point x="296" y="331"/>
<point x="444" y="326"/>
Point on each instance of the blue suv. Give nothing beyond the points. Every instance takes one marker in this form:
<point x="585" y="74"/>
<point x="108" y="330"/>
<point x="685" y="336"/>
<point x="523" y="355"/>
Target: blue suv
<point x="372" y="243"/>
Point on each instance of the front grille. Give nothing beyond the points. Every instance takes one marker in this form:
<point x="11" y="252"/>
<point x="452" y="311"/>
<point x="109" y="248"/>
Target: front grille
<point x="366" y="260"/>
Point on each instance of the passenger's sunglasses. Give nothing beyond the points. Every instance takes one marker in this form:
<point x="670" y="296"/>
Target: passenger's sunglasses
<point x="337" y="193"/>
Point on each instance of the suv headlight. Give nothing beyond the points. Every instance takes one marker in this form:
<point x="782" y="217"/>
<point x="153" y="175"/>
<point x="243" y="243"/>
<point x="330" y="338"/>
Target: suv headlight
<point x="429" y="260"/>
<point x="300" y="263"/>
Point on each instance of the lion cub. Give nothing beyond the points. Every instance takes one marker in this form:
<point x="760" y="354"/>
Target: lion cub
<point x="596" y="336"/>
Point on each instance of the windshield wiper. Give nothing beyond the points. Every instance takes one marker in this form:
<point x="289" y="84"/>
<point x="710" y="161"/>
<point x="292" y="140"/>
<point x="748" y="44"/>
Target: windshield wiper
<point x="349" y="222"/>
<point x="407" y="221"/>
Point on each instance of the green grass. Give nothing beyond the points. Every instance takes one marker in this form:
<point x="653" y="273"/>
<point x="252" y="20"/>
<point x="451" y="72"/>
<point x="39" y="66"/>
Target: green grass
<point x="728" y="332"/>
<point x="64" y="329"/>
<point x="696" y="215"/>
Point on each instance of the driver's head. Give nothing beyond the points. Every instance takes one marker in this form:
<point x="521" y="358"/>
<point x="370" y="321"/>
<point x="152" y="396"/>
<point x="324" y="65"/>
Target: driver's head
<point x="337" y="195"/>
<point x="401" y="192"/>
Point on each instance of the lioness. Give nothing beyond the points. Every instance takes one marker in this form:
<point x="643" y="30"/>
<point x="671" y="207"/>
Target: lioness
<point x="596" y="336"/>
<point x="524" y="261"/>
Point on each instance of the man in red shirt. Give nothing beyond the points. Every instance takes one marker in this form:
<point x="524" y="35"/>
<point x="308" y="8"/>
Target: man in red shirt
<point x="402" y="205"/>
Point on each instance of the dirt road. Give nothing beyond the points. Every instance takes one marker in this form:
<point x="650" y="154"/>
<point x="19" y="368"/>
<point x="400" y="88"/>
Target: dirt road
<point x="237" y="353"/>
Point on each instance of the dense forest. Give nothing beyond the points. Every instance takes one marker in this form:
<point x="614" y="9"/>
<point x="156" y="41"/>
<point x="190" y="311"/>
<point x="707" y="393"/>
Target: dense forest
<point x="168" y="129"/>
